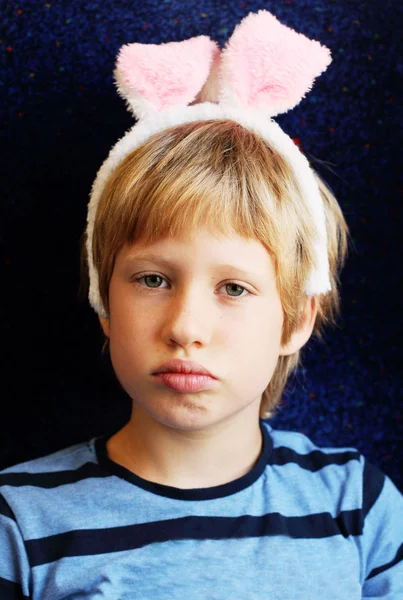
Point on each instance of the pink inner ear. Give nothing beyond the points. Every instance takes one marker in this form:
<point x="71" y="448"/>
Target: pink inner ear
<point x="166" y="74"/>
<point x="270" y="65"/>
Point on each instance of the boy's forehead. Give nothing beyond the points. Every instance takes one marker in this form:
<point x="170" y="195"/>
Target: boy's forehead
<point x="194" y="238"/>
<point x="247" y="254"/>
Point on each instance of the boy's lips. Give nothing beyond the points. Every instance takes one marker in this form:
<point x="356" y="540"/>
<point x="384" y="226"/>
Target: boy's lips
<point x="185" y="367"/>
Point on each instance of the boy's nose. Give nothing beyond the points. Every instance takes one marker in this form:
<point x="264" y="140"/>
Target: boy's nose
<point x="188" y="320"/>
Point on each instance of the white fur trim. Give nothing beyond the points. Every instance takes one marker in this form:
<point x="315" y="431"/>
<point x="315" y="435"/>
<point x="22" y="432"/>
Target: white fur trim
<point x="268" y="129"/>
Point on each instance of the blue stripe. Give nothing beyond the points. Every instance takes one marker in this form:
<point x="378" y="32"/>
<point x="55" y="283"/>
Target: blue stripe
<point x="373" y="482"/>
<point x="398" y="558"/>
<point x="314" y="461"/>
<point x="116" y="539"/>
<point x="53" y="479"/>
<point x="11" y="591"/>
<point x="5" y="510"/>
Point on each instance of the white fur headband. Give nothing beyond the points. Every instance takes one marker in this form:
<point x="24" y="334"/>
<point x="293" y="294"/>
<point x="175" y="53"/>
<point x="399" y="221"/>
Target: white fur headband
<point x="264" y="70"/>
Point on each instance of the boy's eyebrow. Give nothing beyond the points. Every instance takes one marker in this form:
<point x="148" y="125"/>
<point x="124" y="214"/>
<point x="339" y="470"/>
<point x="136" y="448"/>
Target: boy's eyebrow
<point x="157" y="258"/>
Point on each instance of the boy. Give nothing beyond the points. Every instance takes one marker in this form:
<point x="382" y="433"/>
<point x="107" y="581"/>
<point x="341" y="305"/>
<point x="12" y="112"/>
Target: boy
<point x="213" y="254"/>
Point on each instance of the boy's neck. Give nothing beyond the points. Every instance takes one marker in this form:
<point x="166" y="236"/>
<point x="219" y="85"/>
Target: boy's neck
<point x="187" y="459"/>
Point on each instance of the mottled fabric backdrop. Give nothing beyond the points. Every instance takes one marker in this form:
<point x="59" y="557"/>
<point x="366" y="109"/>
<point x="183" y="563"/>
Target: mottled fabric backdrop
<point x="60" y="116"/>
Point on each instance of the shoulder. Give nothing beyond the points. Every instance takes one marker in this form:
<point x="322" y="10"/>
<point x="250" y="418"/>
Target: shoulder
<point x="343" y="494"/>
<point x="313" y="456"/>
<point x="342" y="474"/>
<point x="20" y="484"/>
<point x="68" y="458"/>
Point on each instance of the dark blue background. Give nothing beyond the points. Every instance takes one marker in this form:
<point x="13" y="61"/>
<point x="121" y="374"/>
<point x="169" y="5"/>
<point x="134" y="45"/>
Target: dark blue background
<point x="60" y="114"/>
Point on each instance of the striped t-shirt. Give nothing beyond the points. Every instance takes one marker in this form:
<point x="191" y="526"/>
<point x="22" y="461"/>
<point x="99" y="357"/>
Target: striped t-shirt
<point x="306" y="523"/>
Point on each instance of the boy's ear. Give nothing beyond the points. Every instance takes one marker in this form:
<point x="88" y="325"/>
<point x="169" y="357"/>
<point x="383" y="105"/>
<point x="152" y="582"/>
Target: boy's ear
<point x="104" y="325"/>
<point x="303" y="333"/>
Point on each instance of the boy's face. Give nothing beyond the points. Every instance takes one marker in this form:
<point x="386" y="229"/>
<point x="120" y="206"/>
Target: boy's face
<point x="193" y="310"/>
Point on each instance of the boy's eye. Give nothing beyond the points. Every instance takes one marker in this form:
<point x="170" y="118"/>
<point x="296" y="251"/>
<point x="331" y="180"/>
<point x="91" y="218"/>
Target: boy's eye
<point x="149" y="278"/>
<point x="152" y="282"/>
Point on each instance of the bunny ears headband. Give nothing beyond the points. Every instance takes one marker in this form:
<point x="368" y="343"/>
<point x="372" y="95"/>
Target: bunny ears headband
<point x="264" y="70"/>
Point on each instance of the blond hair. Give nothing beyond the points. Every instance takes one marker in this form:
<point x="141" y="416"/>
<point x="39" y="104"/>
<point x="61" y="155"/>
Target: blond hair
<point x="219" y="174"/>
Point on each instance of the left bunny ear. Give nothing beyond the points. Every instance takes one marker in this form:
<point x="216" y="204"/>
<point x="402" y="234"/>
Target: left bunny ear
<point x="268" y="66"/>
<point x="155" y="77"/>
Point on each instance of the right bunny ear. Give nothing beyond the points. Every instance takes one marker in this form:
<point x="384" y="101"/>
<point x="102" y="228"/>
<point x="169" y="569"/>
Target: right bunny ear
<point x="268" y="66"/>
<point x="154" y="77"/>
